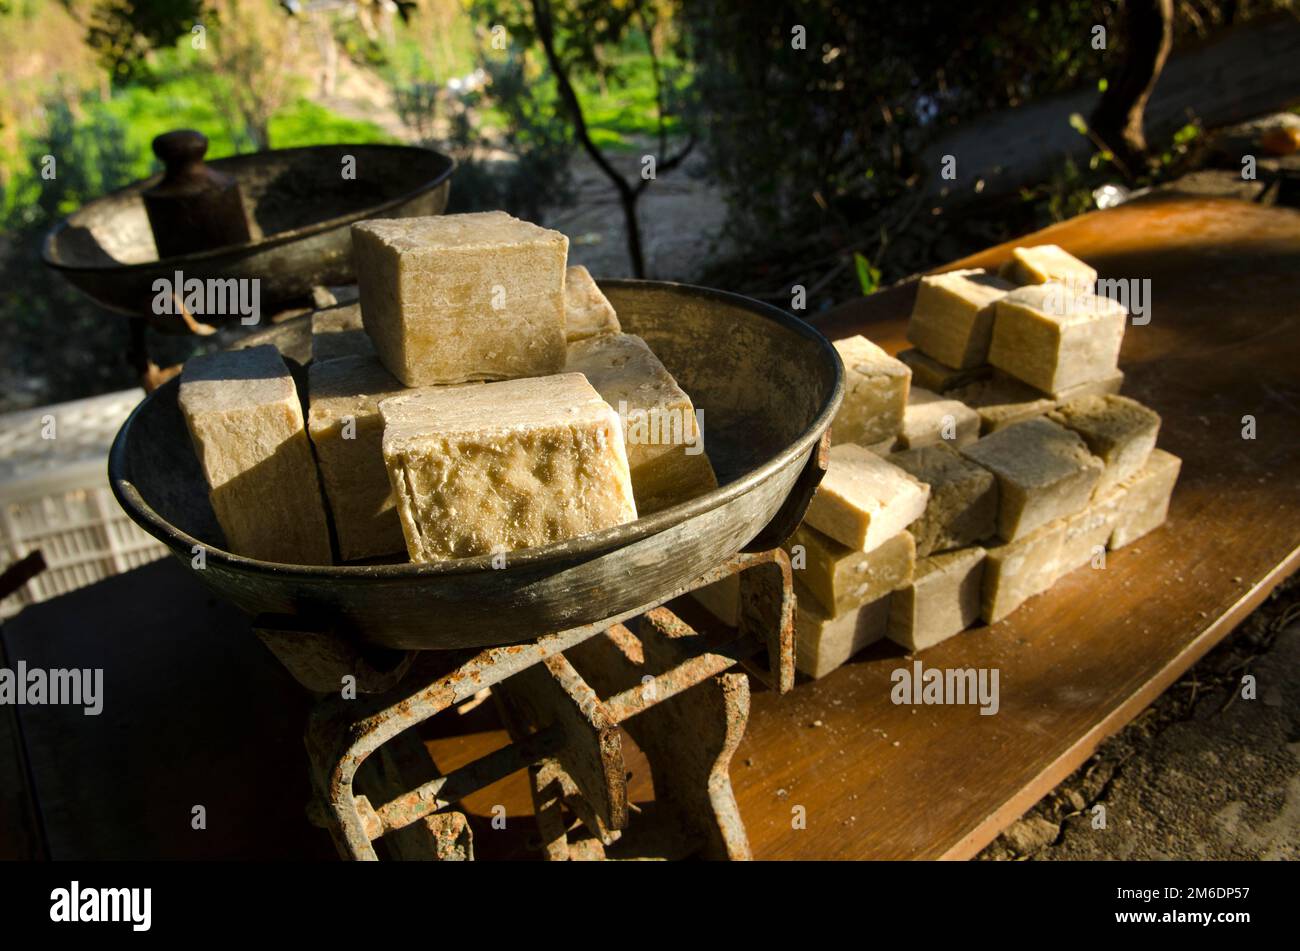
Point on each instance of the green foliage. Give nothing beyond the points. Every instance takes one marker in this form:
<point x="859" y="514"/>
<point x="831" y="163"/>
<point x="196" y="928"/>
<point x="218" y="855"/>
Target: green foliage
<point x="122" y="32"/>
<point x="868" y="276"/>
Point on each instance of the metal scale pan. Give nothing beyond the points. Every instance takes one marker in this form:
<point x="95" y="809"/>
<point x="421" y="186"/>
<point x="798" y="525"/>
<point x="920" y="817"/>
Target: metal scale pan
<point x="767" y="382"/>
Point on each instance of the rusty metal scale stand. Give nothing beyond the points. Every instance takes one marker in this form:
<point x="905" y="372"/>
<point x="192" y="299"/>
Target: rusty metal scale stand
<point x="563" y="699"/>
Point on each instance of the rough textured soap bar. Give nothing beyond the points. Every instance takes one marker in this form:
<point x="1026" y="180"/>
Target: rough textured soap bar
<point x="1047" y="262"/>
<point x="863" y="500"/>
<point x="1016" y="571"/>
<point x="665" y="446"/>
<point x="823" y="643"/>
<point x="875" y="393"/>
<point x="963" y="506"/>
<point x="942" y="600"/>
<point x="931" y="419"/>
<point x="1053" y="338"/>
<point x="1144" y="504"/>
<point x="587" y="312"/>
<point x="1119" y="431"/>
<point x="337" y="332"/>
<point x="1001" y="402"/>
<point x="345" y="426"/>
<point x="936" y="376"/>
<point x="952" y="320"/>
<point x="1044" y="473"/>
<point x="841" y="578"/>
<point x="246" y="423"/>
<point x="454" y="298"/>
<point x="1087" y="534"/>
<point x="504" y="466"/>
<point x="1102" y="386"/>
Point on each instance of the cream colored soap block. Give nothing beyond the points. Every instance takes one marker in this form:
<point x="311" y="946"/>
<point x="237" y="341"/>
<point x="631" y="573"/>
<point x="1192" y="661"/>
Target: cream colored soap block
<point x="942" y="600"/>
<point x="587" y="312"/>
<point x="1054" y="338"/>
<point x="823" y="642"/>
<point x="939" y="377"/>
<point x="875" y="393"/>
<point x="663" y="437"/>
<point x="504" y="466"/>
<point x="931" y="419"/>
<point x="337" y="332"/>
<point x="721" y="599"/>
<point x="841" y="578"/>
<point x="963" y="506"/>
<point x="1119" y="431"/>
<point x="343" y="421"/>
<point x="1002" y="401"/>
<point x="1047" y="262"/>
<point x="1144" y="504"/>
<point x="244" y="417"/>
<point x="454" y="298"/>
<point x="1110" y="384"/>
<point x="864" y="500"/>
<point x="1044" y="473"/>
<point x="952" y="320"/>
<point x="1087" y="534"/>
<point x="1016" y="571"/>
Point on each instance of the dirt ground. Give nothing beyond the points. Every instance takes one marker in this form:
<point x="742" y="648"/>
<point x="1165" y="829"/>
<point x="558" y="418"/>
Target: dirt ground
<point x="1201" y="774"/>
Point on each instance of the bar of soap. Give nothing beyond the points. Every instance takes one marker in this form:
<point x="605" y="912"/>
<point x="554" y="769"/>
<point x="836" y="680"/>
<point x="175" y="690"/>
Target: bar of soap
<point x="942" y="600"/>
<point x="504" y="466"/>
<point x="338" y="332"/>
<point x="933" y="375"/>
<point x="864" y="500"/>
<point x="1001" y="402"/>
<point x="823" y="642"/>
<point x="587" y="311"/>
<point x="1016" y="571"/>
<point x="952" y="319"/>
<point x="931" y="419"/>
<point x="721" y="599"/>
<point x="841" y="578"/>
<point x="1119" y="431"/>
<point x="1044" y="473"/>
<point x="343" y="421"/>
<point x="664" y="443"/>
<point x="1048" y="262"/>
<point x="1109" y="384"/>
<point x="1087" y="533"/>
<point x="875" y="393"/>
<point x="963" y="506"/>
<point x="1053" y="338"/>
<point x="1144" y="504"/>
<point x="454" y="298"/>
<point x="245" y="420"/>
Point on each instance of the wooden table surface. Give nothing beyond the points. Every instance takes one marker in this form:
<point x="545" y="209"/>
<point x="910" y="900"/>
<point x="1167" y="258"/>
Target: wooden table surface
<point x="196" y="712"/>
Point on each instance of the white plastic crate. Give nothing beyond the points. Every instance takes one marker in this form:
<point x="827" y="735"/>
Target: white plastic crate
<point x="54" y="497"/>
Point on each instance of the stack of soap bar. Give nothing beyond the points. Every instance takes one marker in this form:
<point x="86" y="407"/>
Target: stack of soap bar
<point x="338" y="332"/>
<point x="345" y="426"/>
<point x="243" y="414"/>
<point x="963" y="505"/>
<point x="942" y="600"/>
<point x="454" y="298"/>
<point x="1121" y="432"/>
<point x="1144" y="503"/>
<point x="1047" y="262"/>
<point x="587" y="312"/>
<point x="824" y="642"/>
<point x="952" y="320"/>
<point x="931" y="419"/>
<point x="1053" y="337"/>
<point x="1044" y="473"/>
<point x="936" y="376"/>
<point x="504" y="466"/>
<point x="863" y="500"/>
<point x="875" y="393"/>
<point x="1001" y="402"/>
<point x="841" y="578"/>
<point x="665" y="445"/>
<point x="1018" y="570"/>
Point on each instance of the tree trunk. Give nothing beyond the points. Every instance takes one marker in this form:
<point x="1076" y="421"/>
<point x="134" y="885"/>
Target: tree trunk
<point x="1117" y="120"/>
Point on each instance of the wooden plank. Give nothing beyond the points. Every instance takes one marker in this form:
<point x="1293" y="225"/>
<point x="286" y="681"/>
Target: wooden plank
<point x="885" y="781"/>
